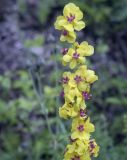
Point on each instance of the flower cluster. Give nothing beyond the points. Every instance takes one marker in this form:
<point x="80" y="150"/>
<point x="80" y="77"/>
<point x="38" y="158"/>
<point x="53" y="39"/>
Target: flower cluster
<point x="76" y="86"/>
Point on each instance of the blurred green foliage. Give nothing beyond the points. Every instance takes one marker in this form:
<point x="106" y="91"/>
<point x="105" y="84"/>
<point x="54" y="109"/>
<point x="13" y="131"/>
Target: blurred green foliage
<point x="36" y="42"/>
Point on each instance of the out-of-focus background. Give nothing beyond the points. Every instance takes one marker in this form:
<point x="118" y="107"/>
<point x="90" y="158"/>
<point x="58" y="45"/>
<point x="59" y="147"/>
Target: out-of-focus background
<point x="30" y="71"/>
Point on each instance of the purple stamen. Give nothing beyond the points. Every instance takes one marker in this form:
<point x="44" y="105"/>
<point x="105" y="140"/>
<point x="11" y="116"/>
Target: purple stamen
<point x="65" y="32"/>
<point x="78" y="79"/>
<point x="82" y="112"/>
<point x="70" y="18"/>
<point x="65" y="80"/>
<point x="64" y="51"/>
<point x="80" y="128"/>
<point x="75" y="55"/>
<point x="86" y="95"/>
<point x="92" y="146"/>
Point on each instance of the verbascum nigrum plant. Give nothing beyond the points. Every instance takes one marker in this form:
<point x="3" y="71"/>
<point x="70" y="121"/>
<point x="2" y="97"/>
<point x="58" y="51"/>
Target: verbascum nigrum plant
<point x="76" y="86"/>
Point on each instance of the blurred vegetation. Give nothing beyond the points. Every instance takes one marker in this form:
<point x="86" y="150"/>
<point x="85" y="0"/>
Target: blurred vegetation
<point x="30" y="127"/>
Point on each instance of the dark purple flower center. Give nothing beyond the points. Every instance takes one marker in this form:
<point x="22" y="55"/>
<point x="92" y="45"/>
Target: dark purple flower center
<point x="65" y="80"/>
<point x="91" y="148"/>
<point x="75" y="158"/>
<point x="75" y="55"/>
<point x="64" y="32"/>
<point x="86" y="95"/>
<point x="82" y="112"/>
<point x="70" y="18"/>
<point x="80" y="128"/>
<point x="91" y="144"/>
<point x="64" y="51"/>
<point x="78" y="79"/>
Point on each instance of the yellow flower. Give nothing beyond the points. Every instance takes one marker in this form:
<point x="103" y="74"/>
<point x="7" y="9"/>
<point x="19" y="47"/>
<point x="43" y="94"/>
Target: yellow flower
<point x="83" y="113"/>
<point x="70" y="19"/>
<point x="76" y="80"/>
<point x="83" y="76"/>
<point x="75" y="156"/>
<point x="90" y="76"/>
<point x="93" y="148"/>
<point x="84" y="48"/>
<point x="67" y="36"/>
<point x="76" y="55"/>
<point x="73" y="57"/>
<point x="71" y="110"/>
<point x="72" y="95"/>
<point x="67" y="79"/>
<point x="71" y="91"/>
<point x="77" y="146"/>
<point x="80" y="80"/>
<point x="81" y="129"/>
<point x="68" y="110"/>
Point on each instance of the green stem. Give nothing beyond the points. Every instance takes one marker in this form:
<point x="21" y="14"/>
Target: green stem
<point x="39" y="97"/>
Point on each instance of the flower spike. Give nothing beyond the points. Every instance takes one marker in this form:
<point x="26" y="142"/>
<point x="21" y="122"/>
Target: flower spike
<point x="76" y="86"/>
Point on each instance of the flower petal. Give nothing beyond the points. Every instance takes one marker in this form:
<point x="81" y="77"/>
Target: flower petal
<point x="71" y="51"/>
<point x="62" y="113"/>
<point x="64" y="63"/>
<point x="62" y="38"/>
<point x="73" y="63"/>
<point x="82" y="86"/>
<point x="86" y="136"/>
<point x="71" y="37"/>
<point x="69" y="8"/>
<point x="71" y="148"/>
<point x="74" y="135"/>
<point x="78" y="25"/>
<point x="67" y="58"/>
<point x="68" y="27"/>
<point x="78" y="14"/>
<point x="58" y="22"/>
<point x="81" y="59"/>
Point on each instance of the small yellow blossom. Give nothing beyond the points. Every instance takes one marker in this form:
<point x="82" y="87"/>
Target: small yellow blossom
<point x="71" y="18"/>
<point x="68" y="110"/>
<point x="76" y="55"/>
<point x="75" y="156"/>
<point x="93" y="148"/>
<point x="71" y="91"/>
<point x="76" y="80"/>
<point x="80" y="80"/>
<point x="81" y="129"/>
<point x="72" y="95"/>
<point x="77" y="146"/>
<point x="71" y="110"/>
<point x="82" y="113"/>
<point x="84" y="75"/>
<point x="73" y="57"/>
<point x="90" y="76"/>
<point x="84" y="48"/>
<point x="67" y="36"/>
<point x="67" y="79"/>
